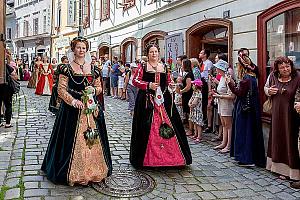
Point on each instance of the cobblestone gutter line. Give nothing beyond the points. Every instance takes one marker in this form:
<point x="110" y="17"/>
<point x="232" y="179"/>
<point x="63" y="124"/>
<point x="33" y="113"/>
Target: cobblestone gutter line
<point x="21" y="182"/>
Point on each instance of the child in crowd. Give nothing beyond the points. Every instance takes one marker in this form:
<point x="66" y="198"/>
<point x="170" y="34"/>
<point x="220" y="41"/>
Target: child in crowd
<point x="121" y="75"/>
<point x="130" y="88"/>
<point x="196" y="114"/>
<point x="178" y="98"/>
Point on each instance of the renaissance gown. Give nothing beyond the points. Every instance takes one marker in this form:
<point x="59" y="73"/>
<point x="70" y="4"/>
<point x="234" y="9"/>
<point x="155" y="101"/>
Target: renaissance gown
<point x="34" y="77"/>
<point x="247" y="142"/>
<point x="55" y="100"/>
<point x="45" y="80"/>
<point x="69" y="158"/>
<point x="147" y="147"/>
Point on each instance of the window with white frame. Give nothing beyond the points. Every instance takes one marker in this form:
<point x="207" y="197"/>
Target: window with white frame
<point x="35" y="26"/>
<point x="86" y="13"/>
<point x="59" y="17"/>
<point x="97" y="7"/>
<point x="8" y="33"/>
<point x="17" y="30"/>
<point x="25" y="28"/>
<point x="44" y="24"/>
<point x="71" y="12"/>
<point x="105" y="7"/>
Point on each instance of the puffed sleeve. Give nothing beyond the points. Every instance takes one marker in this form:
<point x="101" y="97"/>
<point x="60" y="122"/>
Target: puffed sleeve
<point x="169" y="79"/>
<point x="98" y="85"/>
<point x="98" y="80"/>
<point x="243" y="88"/>
<point x="137" y="79"/>
<point x="267" y="85"/>
<point x="97" y="71"/>
<point x="62" y="88"/>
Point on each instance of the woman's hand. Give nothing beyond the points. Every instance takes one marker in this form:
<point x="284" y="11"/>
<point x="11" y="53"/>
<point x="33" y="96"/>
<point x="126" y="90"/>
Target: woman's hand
<point x="297" y="107"/>
<point x="228" y="79"/>
<point x="272" y="90"/>
<point x="77" y="104"/>
<point x="214" y="80"/>
<point x="153" y="86"/>
<point x="217" y="96"/>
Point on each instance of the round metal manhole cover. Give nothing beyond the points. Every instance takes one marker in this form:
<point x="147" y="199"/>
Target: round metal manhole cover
<point x="126" y="183"/>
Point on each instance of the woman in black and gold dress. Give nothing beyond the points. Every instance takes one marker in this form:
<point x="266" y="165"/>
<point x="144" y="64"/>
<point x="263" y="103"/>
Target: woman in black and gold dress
<point x="78" y="150"/>
<point x="153" y="112"/>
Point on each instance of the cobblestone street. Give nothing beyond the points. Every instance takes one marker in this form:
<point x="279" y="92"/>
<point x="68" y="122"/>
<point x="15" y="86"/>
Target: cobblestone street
<point x="211" y="176"/>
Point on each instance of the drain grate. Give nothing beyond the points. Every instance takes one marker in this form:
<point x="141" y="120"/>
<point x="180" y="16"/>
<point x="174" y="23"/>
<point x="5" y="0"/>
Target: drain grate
<point x="126" y="183"/>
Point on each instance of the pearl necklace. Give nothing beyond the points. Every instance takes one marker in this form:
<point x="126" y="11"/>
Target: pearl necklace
<point x="81" y="66"/>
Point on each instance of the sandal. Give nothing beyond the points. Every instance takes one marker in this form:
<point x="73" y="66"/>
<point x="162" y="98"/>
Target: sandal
<point x="189" y="133"/>
<point x="8" y="126"/>
<point x="295" y="185"/>
<point x="282" y="177"/>
<point x="197" y="140"/>
<point x="225" y="150"/>
<point x="220" y="146"/>
<point x="1" y="124"/>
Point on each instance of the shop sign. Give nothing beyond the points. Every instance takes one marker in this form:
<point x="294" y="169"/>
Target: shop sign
<point x="71" y="12"/>
<point x="104" y="39"/>
<point x="62" y="42"/>
<point x="174" y="47"/>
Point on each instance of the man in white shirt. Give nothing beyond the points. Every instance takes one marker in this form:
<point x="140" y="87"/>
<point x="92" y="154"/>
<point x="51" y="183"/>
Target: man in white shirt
<point x="105" y="74"/>
<point x="178" y="72"/>
<point x="206" y="107"/>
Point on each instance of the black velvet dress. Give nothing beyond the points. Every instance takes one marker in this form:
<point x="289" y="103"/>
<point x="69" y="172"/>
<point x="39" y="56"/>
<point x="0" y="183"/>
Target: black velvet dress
<point x="55" y="100"/>
<point x="69" y="159"/>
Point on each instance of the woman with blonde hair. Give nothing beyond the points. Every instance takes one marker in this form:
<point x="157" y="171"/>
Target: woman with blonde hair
<point x="247" y="146"/>
<point x="196" y="68"/>
<point x="34" y="76"/>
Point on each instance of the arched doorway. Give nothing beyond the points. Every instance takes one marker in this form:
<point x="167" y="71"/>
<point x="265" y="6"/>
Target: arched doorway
<point x="157" y="37"/>
<point x="212" y="34"/>
<point x="102" y="50"/>
<point x="129" y="50"/>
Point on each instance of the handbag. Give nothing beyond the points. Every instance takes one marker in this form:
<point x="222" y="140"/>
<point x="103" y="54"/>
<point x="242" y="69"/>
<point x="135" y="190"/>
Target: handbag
<point x="13" y="85"/>
<point x="165" y="131"/>
<point x="267" y="106"/>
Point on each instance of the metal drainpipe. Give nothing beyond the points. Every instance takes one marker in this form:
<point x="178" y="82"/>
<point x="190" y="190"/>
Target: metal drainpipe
<point x="52" y="27"/>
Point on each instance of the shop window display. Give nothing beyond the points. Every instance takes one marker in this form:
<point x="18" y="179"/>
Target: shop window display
<point x="283" y="38"/>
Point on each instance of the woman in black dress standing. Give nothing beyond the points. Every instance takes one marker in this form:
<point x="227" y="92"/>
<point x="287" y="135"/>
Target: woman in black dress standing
<point x="153" y="110"/>
<point x="187" y="90"/>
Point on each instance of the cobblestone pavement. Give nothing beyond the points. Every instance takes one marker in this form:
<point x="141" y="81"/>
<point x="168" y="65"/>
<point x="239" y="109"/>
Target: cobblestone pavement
<point x="211" y="176"/>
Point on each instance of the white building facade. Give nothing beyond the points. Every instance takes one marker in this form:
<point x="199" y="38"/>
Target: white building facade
<point x="33" y="26"/>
